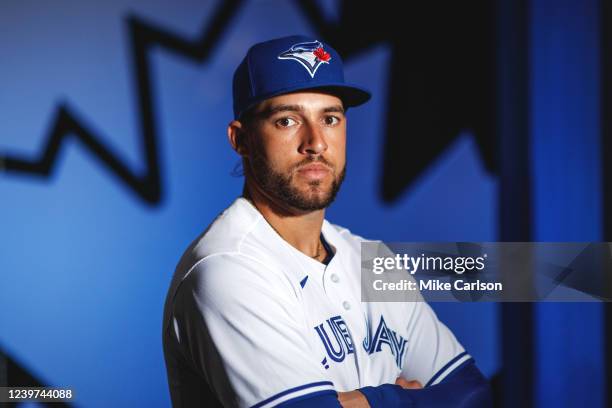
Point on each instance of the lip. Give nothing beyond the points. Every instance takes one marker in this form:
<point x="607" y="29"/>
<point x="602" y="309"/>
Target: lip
<point x="314" y="171"/>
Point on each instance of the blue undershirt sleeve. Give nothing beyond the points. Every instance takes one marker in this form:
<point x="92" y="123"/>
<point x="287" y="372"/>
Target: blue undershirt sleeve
<point x="464" y="388"/>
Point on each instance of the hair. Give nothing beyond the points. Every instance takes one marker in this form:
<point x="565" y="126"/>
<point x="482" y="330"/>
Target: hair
<point x="248" y="119"/>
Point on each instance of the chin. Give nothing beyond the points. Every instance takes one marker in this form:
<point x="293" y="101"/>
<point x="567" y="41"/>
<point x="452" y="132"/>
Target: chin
<point x="316" y="194"/>
<point x="319" y="200"/>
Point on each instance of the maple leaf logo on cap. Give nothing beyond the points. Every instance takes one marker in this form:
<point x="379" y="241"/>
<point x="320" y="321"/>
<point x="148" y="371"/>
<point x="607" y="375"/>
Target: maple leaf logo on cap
<point x="322" y="55"/>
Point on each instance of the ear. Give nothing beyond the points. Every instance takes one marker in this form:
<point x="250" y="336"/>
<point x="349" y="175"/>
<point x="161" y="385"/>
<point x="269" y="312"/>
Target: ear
<point x="236" y="135"/>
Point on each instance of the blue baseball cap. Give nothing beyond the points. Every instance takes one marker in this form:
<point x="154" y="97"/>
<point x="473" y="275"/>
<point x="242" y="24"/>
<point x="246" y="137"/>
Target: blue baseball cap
<point x="289" y="64"/>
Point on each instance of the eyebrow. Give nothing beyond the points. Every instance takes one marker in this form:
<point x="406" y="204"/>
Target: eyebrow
<point x="266" y="113"/>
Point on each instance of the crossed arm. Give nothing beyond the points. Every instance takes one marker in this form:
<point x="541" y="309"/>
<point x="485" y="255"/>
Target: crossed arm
<point x="464" y="388"/>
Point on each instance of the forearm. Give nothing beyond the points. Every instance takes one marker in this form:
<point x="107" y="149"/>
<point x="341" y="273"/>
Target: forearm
<point x="467" y="388"/>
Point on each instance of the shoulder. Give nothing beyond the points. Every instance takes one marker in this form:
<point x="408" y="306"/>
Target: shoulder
<point x="234" y="249"/>
<point x="221" y="278"/>
<point x="238" y="232"/>
<point x="229" y="231"/>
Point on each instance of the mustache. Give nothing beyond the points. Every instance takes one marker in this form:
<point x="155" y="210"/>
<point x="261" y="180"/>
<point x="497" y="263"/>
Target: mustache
<point x="310" y="160"/>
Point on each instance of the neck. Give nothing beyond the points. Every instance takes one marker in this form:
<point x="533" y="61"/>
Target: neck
<point x="300" y="229"/>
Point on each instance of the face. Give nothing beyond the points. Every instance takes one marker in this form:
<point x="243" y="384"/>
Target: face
<point x="297" y="150"/>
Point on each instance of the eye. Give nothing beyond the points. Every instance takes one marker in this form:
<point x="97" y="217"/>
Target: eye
<point x="332" y="120"/>
<point x="285" y="122"/>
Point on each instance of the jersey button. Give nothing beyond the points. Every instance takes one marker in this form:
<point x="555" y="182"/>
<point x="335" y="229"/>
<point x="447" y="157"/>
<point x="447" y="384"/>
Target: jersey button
<point x="346" y="305"/>
<point x="335" y="278"/>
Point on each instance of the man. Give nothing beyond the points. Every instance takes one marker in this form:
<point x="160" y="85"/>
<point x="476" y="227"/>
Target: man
<point x="264" y="308"/>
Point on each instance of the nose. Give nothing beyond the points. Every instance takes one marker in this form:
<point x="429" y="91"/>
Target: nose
<point x="313" y="140"/>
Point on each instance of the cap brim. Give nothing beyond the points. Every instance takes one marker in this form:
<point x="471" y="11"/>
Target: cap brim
<point x="351" y="95"/>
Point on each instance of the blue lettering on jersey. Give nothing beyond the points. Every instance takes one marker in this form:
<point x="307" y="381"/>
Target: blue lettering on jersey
<point x="384" y="335"/>
<point x="343" y="345"/>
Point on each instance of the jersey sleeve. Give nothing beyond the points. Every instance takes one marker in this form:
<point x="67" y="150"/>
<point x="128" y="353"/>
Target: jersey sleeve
<point x="433" y="352"/>
<point x="241" y="326"/>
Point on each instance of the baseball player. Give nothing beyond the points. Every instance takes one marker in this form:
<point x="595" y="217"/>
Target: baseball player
<point x="264" y="307"/>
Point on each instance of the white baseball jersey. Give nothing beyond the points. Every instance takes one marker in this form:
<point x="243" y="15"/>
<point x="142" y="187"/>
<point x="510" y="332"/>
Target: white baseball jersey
<point x="260" y="323"/>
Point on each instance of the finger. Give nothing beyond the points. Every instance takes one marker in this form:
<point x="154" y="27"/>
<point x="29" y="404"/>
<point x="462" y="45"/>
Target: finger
<point x="410" y="385"/>
<point x="413" y="385"/>
<point x="401" y="381"/>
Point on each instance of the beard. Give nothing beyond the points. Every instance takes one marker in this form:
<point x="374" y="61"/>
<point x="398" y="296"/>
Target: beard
<point x="281" y="186"/>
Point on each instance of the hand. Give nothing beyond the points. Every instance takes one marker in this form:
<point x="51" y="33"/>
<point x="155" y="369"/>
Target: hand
<point x="408" y="385"/>
<point x="353" y="399"/>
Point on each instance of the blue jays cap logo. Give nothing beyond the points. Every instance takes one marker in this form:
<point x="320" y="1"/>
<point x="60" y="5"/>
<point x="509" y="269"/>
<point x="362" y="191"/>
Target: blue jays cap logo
<point x="310" y="54"/>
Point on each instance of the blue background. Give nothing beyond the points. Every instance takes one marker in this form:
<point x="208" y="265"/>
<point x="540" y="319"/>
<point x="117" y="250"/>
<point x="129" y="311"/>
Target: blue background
<point x="85" y="263"/>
